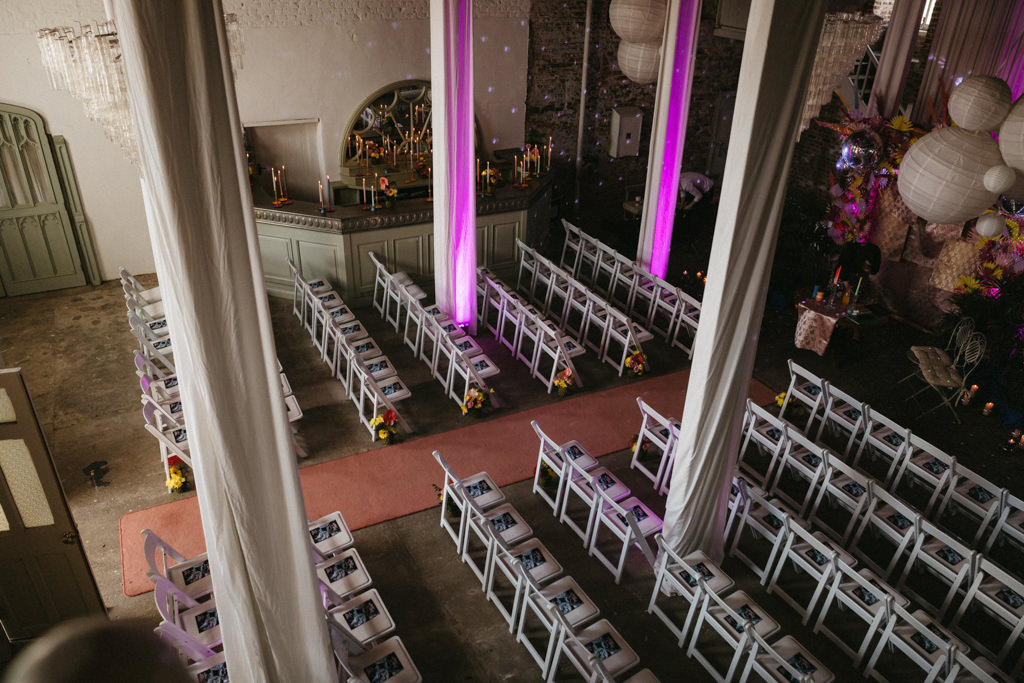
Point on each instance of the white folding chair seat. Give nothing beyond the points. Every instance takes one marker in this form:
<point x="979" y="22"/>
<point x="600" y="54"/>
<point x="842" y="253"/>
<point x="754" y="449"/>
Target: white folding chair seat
<point x="885" y="440"/>
<point x="202" y="623"/>
<point x="344" y="573"/>
<point x="976" y="670"/>
<point x="212" y="668"/>
<point x="563" y="595"/>
<point x="630" y="523"/>
<point x="597" y="653"/>
<point x="887" y="518"/>
<point x="661" y="434"/>
<point x="379" y="367"/>
<point x="918" y="638"/>
<point x="807" y="389"/>
<point x="938" y="555"/>
<point x="805" y="460"/>
<point x="769" y="434"/>
<point x="971" y="495"/>
<point x="843" y="413"/>
<point x="388" y="661"/>
<point x="1000" y="596"/>
<point x="784" y="660"/>
<point x="364" y="616"/>
<point x="766" y="521"/>
<point x="862" y="603"/>
<point x="505" y="562"/>
<point x="687" y="320"/>
<point x="580" y="502"/>
<point x="330" y="534"/>
<point x="928" y="467"/>
<point x="676" y="595"/>
<point x="841" y="500"/>
<point x="729" y="617"/>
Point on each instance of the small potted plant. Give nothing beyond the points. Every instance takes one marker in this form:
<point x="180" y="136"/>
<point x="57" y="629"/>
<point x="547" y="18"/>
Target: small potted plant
<point x="384" y="425"/>
<point x="565" y="381"/>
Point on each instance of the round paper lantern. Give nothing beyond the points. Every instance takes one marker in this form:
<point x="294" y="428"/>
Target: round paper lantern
<point x="980" y="103"/>
<point x="1011" y="137"/>
<point x="639" y="61"/>
<point x="999" y="179"/>
<point x="990" y="225"/>
<point x="942" y="177"/>
<point x="638" y="21"/>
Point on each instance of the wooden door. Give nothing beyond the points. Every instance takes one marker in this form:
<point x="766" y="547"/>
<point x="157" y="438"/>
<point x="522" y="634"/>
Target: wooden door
<point x="44" y="576"/>
<point x="38" y="250"/>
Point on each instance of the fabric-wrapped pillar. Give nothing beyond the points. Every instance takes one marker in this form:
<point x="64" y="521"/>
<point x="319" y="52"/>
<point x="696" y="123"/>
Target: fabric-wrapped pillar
<point x="671" y="107"/>
<point x="451" y="73"/>
<point x="782" y="37"/>
<point x="207" y="258"/>
<point x="894" y="63"/>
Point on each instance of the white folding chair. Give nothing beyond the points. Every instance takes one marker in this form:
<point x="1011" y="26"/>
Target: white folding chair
<point x="387" y="661"/>
<point x="552" y="460"/>
<point x="729" y="617"/>
<point x="978" y="669"/>
<point x="1010" y="524"/>
<point x="382" y="278"/>
<point x="676" y="595"/>
<point x="843" y="413"/>
<point x="504" y="565"/>
<point x="687" y="321"/>
<point x="945" y="560"/>
<point x="480" y="487"/>
<point x="892" y="525"/>
<point x="884" y="440"/>
<point x="466" y="372"/>
<point x="330" y="534"/>
<point x="506" y="524"/>
<point x="629" y="523"/>
<point x="998" y="595"/>
<point x="785" y="659"/>
<point x="766" y="522"/>
<point x="364" y="616"/>
<point x="927" y="467"/>
<point x="598" y="652"/>
<point x="810" y="564"/>
<point x="572" y="248"/>
<point x="580" y="502"/>
<point x="861" y="601"/>
<point x="664" y="310"/>
<point x="805" y="460"/>
<point x="190" y="575"/>
<point x="538" y="627"/>
<point x="655" y="444"/>
<point x="918" y="638"/>
<point x="841" y="500"/>
<point x="622" y="286"/>
<point x="344" y="574"/>
<point x="971" y="495"/>
<point x="805" y="388"/>
<point x="553" y="355"/>
<point x="201" y="657"/>
<point x="622" y="339"/>
<point x="768" y="434"/>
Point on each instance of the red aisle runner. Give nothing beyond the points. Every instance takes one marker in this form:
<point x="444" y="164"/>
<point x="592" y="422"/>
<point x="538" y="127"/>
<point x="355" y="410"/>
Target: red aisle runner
<point x="506" y="447"/>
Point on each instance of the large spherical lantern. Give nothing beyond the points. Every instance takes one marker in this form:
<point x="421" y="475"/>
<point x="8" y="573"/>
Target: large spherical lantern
<point x="990" y="225"/>
<point x="638" y="21"/>
<point x="980" y="103"/>
<point x="1011" y="137"/>
<point x="639" y="61"/>
<point x="942" y="177"/>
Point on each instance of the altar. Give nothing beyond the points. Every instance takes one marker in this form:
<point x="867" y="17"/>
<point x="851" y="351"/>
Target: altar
<point x="336" y="245"/>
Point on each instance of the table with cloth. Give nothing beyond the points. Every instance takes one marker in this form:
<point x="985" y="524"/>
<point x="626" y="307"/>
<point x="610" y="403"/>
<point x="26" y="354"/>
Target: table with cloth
<point x="815" y="323"/>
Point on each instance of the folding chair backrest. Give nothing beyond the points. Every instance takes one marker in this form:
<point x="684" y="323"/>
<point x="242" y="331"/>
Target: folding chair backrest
<point x="154" y="545"/>
<point x="805" y="387"/>
<point x="183" y="641"/>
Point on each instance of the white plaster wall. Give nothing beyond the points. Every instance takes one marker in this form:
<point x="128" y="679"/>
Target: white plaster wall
<point x="304" y="59"/>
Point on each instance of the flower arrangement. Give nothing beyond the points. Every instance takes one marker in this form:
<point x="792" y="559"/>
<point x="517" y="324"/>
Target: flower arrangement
<point x="637" y="362"/>
<point x="177" y="480"/>
<point x="547" y="475"/>
<point x="565" y="381"/>
<point x="475" y="400"/>
<point x="491" y="176"/>
<point x="780" y="399"/>
<point x="644" y="445"/>
<point x="374" y="151"/>
<point x="385" y="426"/>
<point x="450" y="507"/>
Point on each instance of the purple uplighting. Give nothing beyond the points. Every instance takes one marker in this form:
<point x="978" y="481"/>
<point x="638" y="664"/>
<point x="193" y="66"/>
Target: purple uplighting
<point x="675" y="130"/>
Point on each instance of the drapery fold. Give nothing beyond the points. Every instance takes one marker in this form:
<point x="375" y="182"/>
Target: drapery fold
<point x="778" y="55"/>
<point x="207" y="257"/>
<point x="451" y="73"/>
<point x="894" y="62"/>
<point x="668" y="133"/>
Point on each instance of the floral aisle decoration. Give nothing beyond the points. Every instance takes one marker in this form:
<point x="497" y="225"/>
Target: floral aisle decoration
<point x="1000" y="259"/>
<point x="388" y="192"/>
<point x="546" y="475"/>
<point x="565" y="381"/>
<point x="637" y="363"/>
<point x="475" y="400"/>
<point x="451" y="509"/>
<point x="644" y="445"/>
<point x="177" y="479"/>
<point x="872" y="151"/>
<point x="780" y="399"/>
<point x="385" y="426"/>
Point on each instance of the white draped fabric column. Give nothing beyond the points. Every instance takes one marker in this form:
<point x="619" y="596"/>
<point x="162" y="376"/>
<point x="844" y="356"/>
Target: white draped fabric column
<point x="671" y="106"/>
<point x="894" y="63"/>
<point x="778" y="53"/>
<point x="207" y="258"/>
<point x="451" y="73"/>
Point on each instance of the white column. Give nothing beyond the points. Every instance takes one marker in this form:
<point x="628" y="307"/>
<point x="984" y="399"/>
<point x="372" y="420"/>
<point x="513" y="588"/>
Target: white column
<point x="668" y="133"/>
<point x="451" y="74"/>
<point x="782" y="37"/>
<point x="894" y="62"/>
<point x="207" y="258"/>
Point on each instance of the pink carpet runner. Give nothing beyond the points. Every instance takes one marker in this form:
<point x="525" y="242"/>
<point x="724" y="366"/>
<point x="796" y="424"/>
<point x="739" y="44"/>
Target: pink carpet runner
<point x="506" y="447"/>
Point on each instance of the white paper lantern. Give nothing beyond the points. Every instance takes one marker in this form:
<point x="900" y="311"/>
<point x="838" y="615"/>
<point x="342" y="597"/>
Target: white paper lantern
<point x="942" y="177"/>
<point x="640" y="61"/>
<point x="990" y="225"/>
<point x="638" y="21"/>
<point x="1011" y="137"/>
<point x="980" y="103"/>
<point x="999" y="179"/>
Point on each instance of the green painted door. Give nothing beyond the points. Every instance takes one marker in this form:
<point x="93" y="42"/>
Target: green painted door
<point x="38" y="250"/>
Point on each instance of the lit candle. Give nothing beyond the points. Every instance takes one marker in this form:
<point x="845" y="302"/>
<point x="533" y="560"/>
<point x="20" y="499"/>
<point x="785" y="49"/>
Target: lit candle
<point x="321" y="184"/>
<point x="330" y="195"/>
<point x="549" y="153"/>
<point x="987" y="410"/>
<point x="364" y="191"/>
<point x="478" y="174"/>
<point x="488" y="176"/>
<point x="974" y="389"/>
<point x="284" y="184"/>
<point x="273" y="177"/>
<point x="857" y="291"/>
<point x="280" y="184"/>
<point x="515" y="170"/>
<point x="836" y="280"/>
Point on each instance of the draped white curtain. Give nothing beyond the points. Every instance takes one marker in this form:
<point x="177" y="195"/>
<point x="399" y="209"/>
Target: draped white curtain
<point x="894" y="62"/>
<point x="451" y="73"/>
<point x="668" y="133"/>
<point x="207" y="259"/>
<point x="980" y="38"/>
<point x="778" y="54"/>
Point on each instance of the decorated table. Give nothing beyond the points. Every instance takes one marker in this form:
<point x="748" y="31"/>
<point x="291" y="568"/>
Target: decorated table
<point x="817" y="320"/>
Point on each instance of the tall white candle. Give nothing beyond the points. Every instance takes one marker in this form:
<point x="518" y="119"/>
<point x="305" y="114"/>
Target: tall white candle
<point x="321" y="184"/>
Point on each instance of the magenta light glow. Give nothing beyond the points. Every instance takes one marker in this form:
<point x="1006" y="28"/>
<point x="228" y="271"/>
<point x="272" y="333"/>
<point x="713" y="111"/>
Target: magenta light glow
<point x="462" y="183"/>
<point x="675" y="132"/>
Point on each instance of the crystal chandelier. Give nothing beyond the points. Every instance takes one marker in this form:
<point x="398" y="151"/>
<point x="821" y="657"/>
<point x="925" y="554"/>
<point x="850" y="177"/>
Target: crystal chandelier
<point x="88" y="64"/>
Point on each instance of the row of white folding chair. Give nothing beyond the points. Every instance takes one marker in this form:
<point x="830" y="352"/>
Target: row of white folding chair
<point x="149" y="295"/>
<point x="388" y="289"/>
<point x="655" y="443"/>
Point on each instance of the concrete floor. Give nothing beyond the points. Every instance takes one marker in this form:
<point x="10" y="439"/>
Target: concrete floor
<point x="76" y="351"/>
